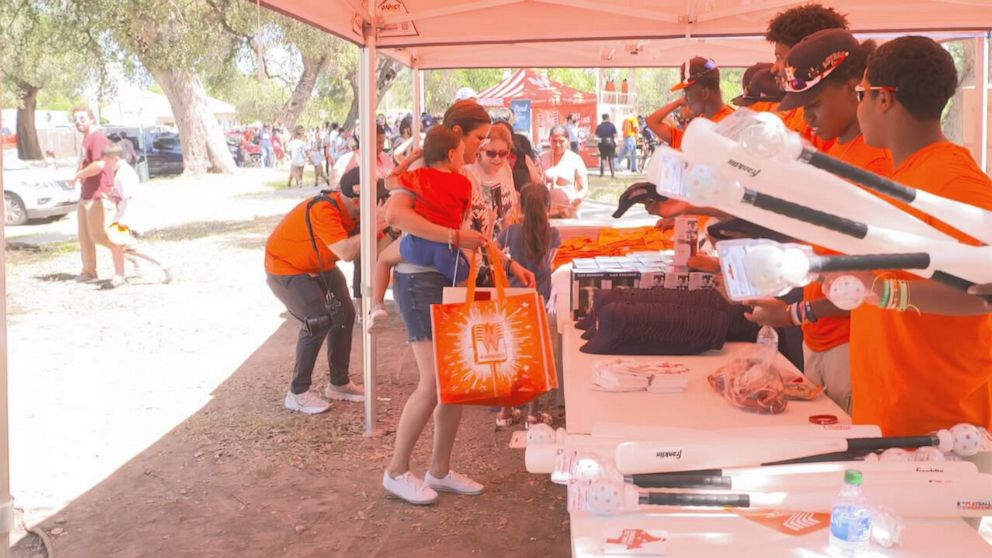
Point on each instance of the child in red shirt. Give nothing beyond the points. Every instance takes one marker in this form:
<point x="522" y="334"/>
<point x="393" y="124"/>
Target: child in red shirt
<point x="442" y="195"/>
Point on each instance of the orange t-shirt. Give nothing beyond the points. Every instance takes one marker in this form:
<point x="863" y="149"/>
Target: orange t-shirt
<point x="763" y="106"/>
<point x="289" y="251"/>
<point x="914" y="373"/>
<point x="831" y="332"/>
<point x="678" y="134"/>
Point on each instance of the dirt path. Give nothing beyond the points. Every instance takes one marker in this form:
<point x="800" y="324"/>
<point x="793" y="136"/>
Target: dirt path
<point x="147" y="421"/>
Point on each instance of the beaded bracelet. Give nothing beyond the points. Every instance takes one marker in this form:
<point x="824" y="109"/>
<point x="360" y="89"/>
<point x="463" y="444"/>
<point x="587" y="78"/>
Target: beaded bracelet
<point x="793" y="312"/>
<point x="886" y="293"/>
<point x="903" y="296"/>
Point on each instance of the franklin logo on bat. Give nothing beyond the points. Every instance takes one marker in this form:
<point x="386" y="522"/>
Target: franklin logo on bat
<point x="676" y="455"/>
<point x="750" y="170"/>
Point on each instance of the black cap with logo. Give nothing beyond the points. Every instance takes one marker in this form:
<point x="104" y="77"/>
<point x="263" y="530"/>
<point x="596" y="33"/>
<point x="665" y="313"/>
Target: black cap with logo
<point x="811" y="61"/>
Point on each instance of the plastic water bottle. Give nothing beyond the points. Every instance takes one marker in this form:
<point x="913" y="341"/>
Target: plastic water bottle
<point x="850" y="519"/>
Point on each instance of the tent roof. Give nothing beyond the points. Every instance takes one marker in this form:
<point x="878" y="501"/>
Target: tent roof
<point x="529" y="84"/>
<point x="605" y="33"/>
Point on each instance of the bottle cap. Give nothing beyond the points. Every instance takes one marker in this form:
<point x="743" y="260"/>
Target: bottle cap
<point x="853" y="477"/>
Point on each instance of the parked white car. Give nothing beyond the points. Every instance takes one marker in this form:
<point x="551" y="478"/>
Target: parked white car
<point x="36" y="193"/>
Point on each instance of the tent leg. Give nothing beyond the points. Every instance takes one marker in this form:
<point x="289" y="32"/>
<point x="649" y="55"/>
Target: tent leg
<point x="6" y="505"/>
<point x="982" y="82"/>
<point x="418" y="102"/>
<point x="367" y="104"/>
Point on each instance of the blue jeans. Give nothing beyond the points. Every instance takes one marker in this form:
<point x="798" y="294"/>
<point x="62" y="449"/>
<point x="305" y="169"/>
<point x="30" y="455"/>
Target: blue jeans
<point x="268" y="155"/>
<point x="629" y="150"/>
<point x="414" y="293"/>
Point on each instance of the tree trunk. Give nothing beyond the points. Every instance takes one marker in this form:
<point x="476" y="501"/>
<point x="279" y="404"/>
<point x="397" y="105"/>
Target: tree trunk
<point x="203" y="143"/>
<point x="386" y="71"/>
<point x="28" y="146"/>
<point x="302" y="93"/>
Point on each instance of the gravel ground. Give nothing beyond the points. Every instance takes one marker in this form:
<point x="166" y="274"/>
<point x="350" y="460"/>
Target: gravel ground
<point x="147" y="420"/>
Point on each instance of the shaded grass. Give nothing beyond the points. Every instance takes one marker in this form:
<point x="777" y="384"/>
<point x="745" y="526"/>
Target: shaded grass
<point x="607" y="189"/>
<point x="281" y="183"/>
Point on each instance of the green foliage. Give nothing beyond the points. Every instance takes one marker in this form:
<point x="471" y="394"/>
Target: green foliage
<point x="578" y="78"/>
<point x="255" y="100"/>
<point x="41" y="49"/>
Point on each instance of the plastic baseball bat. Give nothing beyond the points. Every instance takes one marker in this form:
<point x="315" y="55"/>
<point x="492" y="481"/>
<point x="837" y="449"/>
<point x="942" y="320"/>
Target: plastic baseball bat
<point x="541" y="457"/>
<point x="799" y="477"/>
<point x="952" y="263"/>
<point x="923" y="496"/>
<point x="659" y="457"/>
<point x="795" y="181"/>
<point x="969" y="219"/>
<point x="612" y="429"/>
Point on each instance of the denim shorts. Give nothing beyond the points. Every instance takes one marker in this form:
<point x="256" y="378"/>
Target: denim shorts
<point x="414" y="293"/>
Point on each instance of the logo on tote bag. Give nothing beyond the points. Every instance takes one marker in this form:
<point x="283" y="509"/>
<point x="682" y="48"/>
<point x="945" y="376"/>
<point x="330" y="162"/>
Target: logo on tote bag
<point x="489" y="343"/>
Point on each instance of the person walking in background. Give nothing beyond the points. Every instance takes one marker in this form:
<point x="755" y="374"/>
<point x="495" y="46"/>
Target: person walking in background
<point x="298" y="157"/>
<point x="607" y="134"/>
<point x="572" y="127"/>
<point x="124" y="229"/>
<point x="265" y="142"/>
<point x="96" y="182"/>
<point x="629" y="150"/>
<point x="317" y="159"/>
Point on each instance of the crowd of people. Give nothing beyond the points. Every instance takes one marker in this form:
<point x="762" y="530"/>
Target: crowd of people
<point x="476" y="182"/>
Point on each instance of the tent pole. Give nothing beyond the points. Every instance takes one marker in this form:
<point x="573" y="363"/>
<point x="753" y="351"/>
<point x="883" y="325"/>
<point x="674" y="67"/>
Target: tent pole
<point x="367" y="200"/>
<point x="6" y="505"/>
<point x="418" y="101"/>
<point x="982" y="75"/>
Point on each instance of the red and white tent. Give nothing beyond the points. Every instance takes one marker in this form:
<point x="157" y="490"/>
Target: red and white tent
<point x="551" y="103"/>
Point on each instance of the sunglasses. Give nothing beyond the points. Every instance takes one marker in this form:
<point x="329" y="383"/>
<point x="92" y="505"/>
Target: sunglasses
<point x="493" y="154"/>
<point x="859" y="91"/>
<point x="795" y="84"/>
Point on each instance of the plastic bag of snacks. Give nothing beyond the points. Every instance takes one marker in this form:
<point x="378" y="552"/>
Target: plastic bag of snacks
<point x="750" y="381"/>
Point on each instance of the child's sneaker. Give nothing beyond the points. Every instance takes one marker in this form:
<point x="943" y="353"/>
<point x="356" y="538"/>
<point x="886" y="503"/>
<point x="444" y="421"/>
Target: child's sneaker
<point x="454" y="482"/>
<point x="410" y="488"/>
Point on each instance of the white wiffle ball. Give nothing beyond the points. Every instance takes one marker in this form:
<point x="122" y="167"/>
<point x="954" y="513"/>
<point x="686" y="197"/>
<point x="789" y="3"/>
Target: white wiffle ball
<point x="895" y="454"/>
<point x="967" y="439"/>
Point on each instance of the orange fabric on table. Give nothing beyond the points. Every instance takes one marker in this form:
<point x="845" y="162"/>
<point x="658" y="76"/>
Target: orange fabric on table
<point x="289" y="250"/>
<point x="834" y="331"/>
<point x="678" y="134"/>
<point x="914" y="373"/>
<point x="613" y="242"/>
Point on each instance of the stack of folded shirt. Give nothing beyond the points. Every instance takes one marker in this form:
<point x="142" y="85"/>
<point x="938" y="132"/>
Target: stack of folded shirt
<point x="669" y="378"/>
<point x="622" y="374"/>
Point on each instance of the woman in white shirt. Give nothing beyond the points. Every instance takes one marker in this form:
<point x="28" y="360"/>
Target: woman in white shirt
<point x="494" y="199"/>
<point x="565" y="174"/>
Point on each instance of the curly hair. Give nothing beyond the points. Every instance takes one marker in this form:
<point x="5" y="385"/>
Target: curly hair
<point x="789" y="27"/>
<point x="920" y="70"/>
<point x="854" y="66"/>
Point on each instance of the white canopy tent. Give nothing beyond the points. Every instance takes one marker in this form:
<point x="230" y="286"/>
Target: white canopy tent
<point x="444" y="34"/>
<point x="434" y="34"/>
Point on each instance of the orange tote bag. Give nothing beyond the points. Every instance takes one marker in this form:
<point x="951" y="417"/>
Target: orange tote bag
<point x="492" y="352"/>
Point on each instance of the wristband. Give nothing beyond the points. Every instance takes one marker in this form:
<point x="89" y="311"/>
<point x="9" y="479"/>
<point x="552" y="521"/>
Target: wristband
<point x="903" y="296"/>
<point x="886" y="293"/>
<point x="810" y="315"/>
<point x="793" y="311"/>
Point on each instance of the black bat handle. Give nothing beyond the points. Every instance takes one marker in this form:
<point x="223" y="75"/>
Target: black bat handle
<point x="683" y="499"/>
<point x="650" y="480"/>
<point x="874" y="444"/>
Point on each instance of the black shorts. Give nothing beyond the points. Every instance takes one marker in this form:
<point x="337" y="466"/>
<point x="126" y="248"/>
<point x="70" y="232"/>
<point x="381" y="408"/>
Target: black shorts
<point x="607" y="150"/>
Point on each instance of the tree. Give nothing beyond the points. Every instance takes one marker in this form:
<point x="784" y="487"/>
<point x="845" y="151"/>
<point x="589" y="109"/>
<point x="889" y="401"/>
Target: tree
<point x="39" y="51"/>
<point x="176" y="42"/>
<point x="386" y="71"/>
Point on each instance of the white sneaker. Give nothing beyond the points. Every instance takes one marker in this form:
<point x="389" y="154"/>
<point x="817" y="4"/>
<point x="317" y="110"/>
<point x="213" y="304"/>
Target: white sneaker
<point x="454" y="482"/>
<point x="307" y="402"/>
<point x="116" y="281"/>
<point x="378" y="315"/>
<point x="347" y="392"/>
<point x="410" y="488"/>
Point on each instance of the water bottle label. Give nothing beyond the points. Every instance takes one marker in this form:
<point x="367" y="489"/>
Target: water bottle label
<point x="850" y="524"/>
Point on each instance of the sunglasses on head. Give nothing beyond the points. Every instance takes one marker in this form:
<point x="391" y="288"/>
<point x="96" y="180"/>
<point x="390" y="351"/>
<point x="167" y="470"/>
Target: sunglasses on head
<point x="493" y="154"/>
<point x="708" y="67"/>
<point x="859" y="91"/>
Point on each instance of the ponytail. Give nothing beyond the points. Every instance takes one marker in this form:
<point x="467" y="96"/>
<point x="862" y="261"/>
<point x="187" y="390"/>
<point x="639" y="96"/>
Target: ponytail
<point x="535" y="200"/>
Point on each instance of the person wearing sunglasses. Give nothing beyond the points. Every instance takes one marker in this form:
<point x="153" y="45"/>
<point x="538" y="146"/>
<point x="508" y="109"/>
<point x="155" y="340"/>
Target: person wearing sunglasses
<point x="822" y="74"/>
<point x="494" y="199"/>
<point x="565" y="174"/>
<point x="916" y="371"/>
